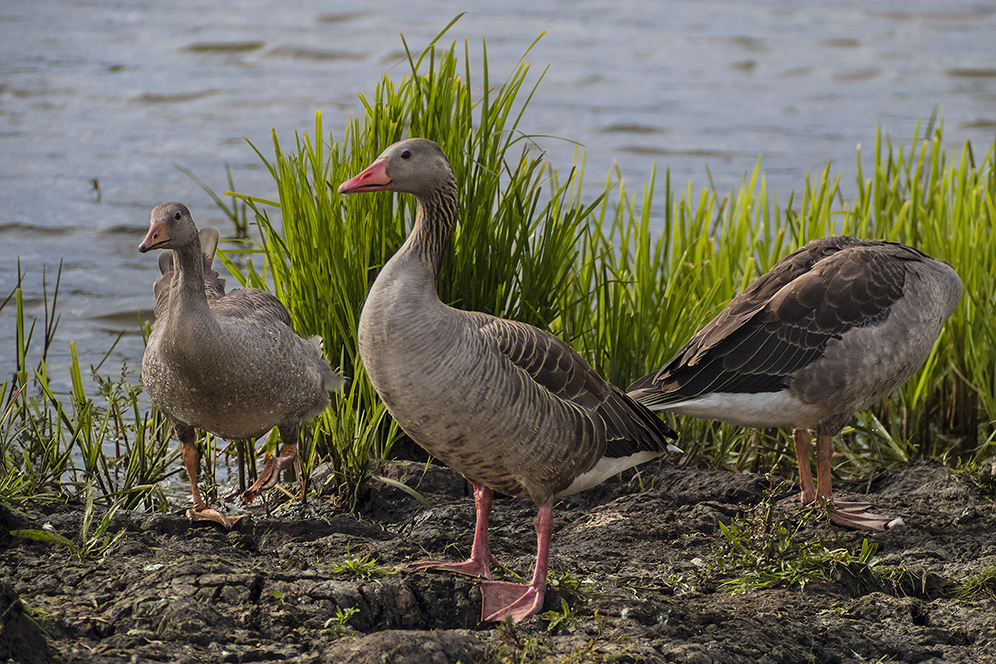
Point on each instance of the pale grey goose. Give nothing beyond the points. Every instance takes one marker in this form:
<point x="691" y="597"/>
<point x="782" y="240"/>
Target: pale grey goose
<point x="228" y="363"/>
<point x="832" y="329"/>
<point x="510" y="406"/>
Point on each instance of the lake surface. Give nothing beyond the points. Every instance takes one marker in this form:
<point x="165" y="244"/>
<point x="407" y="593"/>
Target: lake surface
<point x="123" y="92"/>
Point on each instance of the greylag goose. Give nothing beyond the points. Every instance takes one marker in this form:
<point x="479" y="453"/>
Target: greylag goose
<point x="832" y="329"/>
<point x="511" y="407"/>
<point x="225" y="363"/>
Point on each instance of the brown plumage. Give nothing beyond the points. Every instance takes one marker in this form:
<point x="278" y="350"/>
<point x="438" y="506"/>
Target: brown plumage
<point x="832" y="329"/>
<point x="228" y="363"/>
<point x="512" y="407"/>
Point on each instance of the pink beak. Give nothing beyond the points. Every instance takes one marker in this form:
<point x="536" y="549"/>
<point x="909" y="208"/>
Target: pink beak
<point x="157" y="238"/>
<point x="373" y="178"/>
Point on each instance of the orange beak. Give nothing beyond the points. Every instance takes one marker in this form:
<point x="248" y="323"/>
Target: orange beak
<point x="373" y="178"/>
<point x="156" y="238"/>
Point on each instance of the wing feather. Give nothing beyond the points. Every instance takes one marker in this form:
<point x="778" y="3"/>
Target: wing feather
<point x="565" y="375"/>
<point x="783" y="321"/>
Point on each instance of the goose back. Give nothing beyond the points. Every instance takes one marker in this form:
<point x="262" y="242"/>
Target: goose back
<point x="228" y="363"/>
<point x="837" y="325"/>
<point x="510" y="406"/>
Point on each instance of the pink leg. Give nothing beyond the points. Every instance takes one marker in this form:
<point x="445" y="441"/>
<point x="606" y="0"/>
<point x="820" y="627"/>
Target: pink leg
<point x="824" y="455"/>
<point x="519" y="601"/>
<point x="850" y="514"/>
<point x="200" y="511"/>
<point x="271" y="472"/>
<point x="802" y="439"/>
<point x="481" y="561"/>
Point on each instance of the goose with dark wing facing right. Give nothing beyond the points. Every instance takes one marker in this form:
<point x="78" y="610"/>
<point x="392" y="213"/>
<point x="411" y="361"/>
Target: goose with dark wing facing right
<point x="832" y="329"/>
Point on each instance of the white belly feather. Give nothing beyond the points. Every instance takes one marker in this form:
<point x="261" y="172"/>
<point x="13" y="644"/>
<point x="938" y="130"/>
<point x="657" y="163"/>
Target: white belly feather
<point x="767" y="409"/>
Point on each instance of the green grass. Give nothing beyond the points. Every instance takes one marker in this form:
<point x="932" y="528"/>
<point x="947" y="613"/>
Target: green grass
<point x="625" y="276"/>
<point x="979" y="586"/>
<point x="338" y="624"/>
<point x="362" y="567"/>
<point x="763" y="551"/>
<point x="57" y="447"/>
<point x="93" y="538"/>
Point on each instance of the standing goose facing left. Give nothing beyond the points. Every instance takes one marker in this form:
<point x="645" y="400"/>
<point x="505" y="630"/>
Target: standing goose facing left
<point x="832" y="329"/>
<point x="228" y="363"/>
<point x="510" y="406"/>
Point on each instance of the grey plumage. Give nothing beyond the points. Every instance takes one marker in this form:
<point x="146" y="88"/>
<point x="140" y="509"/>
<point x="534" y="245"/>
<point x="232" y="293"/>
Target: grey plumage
<point x="832" y="329"/>
<point x="228" y="363"/>
<point x="512" y="407"/>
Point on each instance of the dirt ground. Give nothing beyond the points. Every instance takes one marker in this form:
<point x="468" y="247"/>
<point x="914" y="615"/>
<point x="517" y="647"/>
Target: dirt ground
<point x="630" y="559"/>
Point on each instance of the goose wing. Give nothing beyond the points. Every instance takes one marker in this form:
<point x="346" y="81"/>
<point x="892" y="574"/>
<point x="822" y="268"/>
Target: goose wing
<point x="783" y="321"/>
<point x="251" y="305"/>
<point x="566" y="376"/>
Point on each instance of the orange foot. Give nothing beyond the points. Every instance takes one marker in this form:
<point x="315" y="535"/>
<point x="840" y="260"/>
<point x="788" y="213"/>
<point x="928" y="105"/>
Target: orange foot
<point x="478" y="567"/>
<point x="513" y="600"/>
<point x="856" y="515"/>
<point x="271" y="473"/>
<point x="208" y="514"/>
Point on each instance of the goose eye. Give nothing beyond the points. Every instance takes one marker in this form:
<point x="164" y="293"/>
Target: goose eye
<point x="177" y="216"/>
<point x="406" y="154"/>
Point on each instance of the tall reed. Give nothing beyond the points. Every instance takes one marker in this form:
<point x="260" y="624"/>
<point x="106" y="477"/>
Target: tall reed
<point x="511" y="254"/>
<point x="649" y="289"/>
<point x="52" y="446"/>
<point x="625" y="278"/>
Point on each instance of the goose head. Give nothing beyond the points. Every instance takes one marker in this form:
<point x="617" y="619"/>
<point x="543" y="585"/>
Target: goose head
<point x="414" y="166"/>
<point x="170" y="227"/>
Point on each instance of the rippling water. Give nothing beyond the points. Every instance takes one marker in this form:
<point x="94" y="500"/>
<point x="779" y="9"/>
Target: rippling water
<point x="122" y="92"/>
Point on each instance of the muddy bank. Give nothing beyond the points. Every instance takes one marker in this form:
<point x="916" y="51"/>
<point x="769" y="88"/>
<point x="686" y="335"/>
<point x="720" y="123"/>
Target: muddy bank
<point x="632" y="566"/>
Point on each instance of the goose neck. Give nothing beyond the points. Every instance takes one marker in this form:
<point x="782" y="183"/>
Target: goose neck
<point x="190" y="272"/>
<point x="435" y="217"/>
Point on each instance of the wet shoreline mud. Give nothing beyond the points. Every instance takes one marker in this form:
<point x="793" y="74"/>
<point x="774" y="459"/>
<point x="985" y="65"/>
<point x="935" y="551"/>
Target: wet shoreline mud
<point x="315" y="584"/>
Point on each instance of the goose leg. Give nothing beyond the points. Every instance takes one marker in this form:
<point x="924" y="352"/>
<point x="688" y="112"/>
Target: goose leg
<point x="271" y="471"/>
<point x="850" y="514"/>
<point x="200" y="511"/>
<point x="802" y="439"/>
<point x="519" y="601"/>
<point x="275" y="464"/>
<point x="481" y="561"/>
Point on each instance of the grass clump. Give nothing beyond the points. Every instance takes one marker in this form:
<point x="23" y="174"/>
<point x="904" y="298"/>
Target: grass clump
<point x="911" y="581"/>
<point x="564" y="620"/>
<point x="625" y="278"/>
<point x="362" y="567"/>
<point x="765" y="551"/>
<point x="102" y="447"/>
<point x="978" y="586"/>
<point x="93" y="538"/>
<point x="337" y="625"/>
